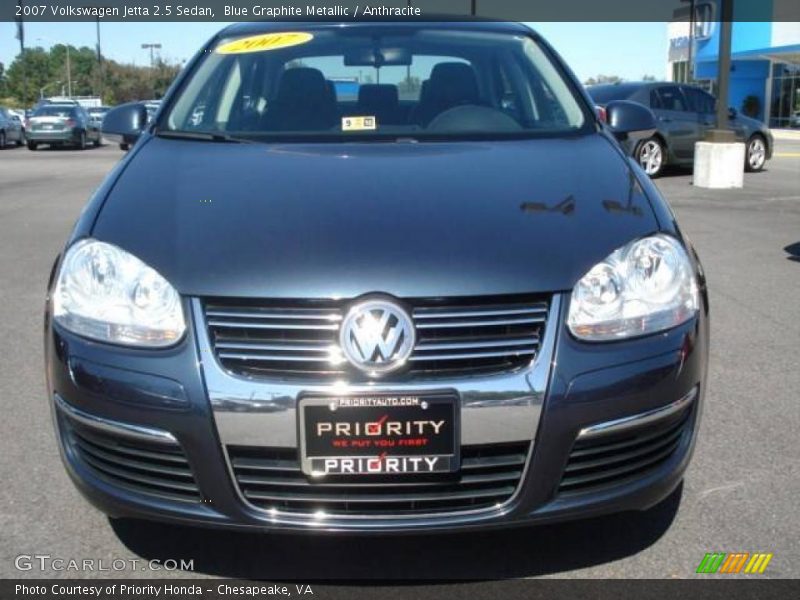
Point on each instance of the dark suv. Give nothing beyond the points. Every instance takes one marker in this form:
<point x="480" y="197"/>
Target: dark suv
<point x="301" y="305"/>
<point x="684" y="114"/>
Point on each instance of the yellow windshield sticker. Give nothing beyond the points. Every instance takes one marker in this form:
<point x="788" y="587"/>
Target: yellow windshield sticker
<point x="264" y="42"/>
<point x="359" y="123"/>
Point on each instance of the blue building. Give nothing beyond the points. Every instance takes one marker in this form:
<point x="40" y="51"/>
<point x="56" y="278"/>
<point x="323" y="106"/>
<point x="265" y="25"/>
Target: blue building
<point x="765" y="67"/>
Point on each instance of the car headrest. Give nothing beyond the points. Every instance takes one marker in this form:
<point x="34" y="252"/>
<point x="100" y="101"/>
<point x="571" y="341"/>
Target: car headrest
<point x="454" y="82"/>
<point x="303" y="85"/>
<point x="374" y="95"/>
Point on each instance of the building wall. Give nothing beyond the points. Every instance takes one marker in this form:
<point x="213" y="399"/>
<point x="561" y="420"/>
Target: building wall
<point x="748" y="78"/>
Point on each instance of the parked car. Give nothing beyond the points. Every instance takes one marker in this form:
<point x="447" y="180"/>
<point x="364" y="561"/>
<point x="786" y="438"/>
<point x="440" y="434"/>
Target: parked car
<point x="11" y="129"/>
<point x="96" y="114"/>
<point x="795" y="120"/>
<point x="684" y="113"/>
<point x="60" y="100"/>
<point x="16" y="112"/>
<point x="62" y="125"/>
<point x="298" y="316"/>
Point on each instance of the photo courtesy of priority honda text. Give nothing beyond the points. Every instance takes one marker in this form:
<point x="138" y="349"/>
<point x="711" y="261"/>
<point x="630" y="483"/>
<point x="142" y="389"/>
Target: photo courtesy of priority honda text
<point x="376" y="277"/>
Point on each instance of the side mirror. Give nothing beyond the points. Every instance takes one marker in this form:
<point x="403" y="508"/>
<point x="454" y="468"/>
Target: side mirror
<point x="628" y="119"/>
<point x="732" y="113"/>
<point x="125" y="123"/>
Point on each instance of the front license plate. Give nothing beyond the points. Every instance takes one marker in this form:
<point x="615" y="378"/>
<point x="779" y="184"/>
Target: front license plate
<point x="379" y="435"/>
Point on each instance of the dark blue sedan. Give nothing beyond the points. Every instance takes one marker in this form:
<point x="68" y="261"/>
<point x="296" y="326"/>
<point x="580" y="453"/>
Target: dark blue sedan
<point x="445" y="299"/>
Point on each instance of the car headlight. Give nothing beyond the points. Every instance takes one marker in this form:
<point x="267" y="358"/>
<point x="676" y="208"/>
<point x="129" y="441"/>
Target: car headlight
<point x="106" y="294"/>
<point x="644" y="287"/>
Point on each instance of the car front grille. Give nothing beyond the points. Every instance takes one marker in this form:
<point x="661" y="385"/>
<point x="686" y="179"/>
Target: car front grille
<point x="301" y="339"/>
<point x="155" y="469"/>
<point x="271" y="479"/>
<point x="616" y="459"/>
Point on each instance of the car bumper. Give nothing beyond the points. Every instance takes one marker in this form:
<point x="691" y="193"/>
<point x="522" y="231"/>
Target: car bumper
<point x="576" y="396"/>
<point x="71" y="136"/>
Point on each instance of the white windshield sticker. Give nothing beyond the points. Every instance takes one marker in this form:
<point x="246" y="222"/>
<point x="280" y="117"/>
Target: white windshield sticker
<point x="359" y="123"/>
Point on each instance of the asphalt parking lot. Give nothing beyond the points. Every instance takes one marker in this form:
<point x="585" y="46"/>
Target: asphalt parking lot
<point x="740" y="493"/>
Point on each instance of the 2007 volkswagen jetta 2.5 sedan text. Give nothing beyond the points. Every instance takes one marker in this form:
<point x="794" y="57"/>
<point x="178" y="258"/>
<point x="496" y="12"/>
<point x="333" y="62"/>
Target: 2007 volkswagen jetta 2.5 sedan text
<point x="352" y="278"/>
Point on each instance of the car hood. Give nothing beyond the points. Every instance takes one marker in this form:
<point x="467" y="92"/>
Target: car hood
<point x="341" y="220"/>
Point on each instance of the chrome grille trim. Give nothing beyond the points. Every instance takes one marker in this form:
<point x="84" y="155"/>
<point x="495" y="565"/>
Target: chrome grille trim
<point x="264" y="338"/>
<point x="615" y="452"/>
<point x="258" y="325"/>
<point x="151" y="463"/>
<point x="489" y="477"/>
<point x="492" y="323"/>
<point x="438" y="313"/>
<point x="292" y="313"/>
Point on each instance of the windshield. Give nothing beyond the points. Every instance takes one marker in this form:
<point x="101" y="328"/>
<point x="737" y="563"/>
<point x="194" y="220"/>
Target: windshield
<point x="55" y="111"/>
<point x="374" y="81"/>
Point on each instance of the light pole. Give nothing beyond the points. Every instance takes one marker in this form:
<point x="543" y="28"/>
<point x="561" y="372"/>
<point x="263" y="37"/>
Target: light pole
<point x="152" y="47"/>
<point x="722" y="131"/>
<point x="69" y="68"/>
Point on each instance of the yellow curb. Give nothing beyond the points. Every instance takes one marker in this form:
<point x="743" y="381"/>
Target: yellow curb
<point x="787" y="154"/>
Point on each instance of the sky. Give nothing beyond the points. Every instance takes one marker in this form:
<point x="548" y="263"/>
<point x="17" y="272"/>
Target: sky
<point x="629" y="50"/>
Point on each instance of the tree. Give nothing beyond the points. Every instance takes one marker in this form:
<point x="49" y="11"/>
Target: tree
<point x="648" y="78"/>
<point x="47" y="75"/>
<point x="603" y="79"/>
<point x="409" y="85"/>
<point x="36" y="61"/>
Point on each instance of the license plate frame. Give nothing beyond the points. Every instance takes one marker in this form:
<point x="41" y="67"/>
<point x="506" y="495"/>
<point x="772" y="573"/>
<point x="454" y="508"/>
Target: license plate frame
<point x="401" y="409"/>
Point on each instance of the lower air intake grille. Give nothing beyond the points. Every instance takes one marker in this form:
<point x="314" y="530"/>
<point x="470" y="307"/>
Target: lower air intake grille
<point x="154" y="469"/>
<point x="270" y="478"/>
<point x="615" y="459"/>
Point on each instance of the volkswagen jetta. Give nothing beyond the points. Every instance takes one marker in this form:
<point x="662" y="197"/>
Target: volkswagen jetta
<point x="376" y="277"/>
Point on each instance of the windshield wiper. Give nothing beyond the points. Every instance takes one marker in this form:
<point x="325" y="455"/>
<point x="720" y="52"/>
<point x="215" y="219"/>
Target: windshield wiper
<point x="204" y="136"/>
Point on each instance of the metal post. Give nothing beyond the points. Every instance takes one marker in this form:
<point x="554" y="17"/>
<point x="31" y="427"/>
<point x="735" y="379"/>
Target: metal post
<point x="689" y="66"/>
<point x="100" y="76"/>
<point x="69" y="75"/>
<point x="722" y="133"/>
<point x="21" y="37"/>
<point x="408" y="67"/>
<point x="152" y="47"/>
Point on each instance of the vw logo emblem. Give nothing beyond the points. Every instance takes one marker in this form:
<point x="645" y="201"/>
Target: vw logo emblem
<point x="377" y="336"/>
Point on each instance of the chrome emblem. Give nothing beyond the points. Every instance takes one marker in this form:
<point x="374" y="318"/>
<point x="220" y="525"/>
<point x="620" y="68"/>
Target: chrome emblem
<point x="377" y="336"/>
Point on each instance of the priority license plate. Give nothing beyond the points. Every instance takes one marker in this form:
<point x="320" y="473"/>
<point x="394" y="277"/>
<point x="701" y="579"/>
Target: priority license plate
<point x="379" y="435"/>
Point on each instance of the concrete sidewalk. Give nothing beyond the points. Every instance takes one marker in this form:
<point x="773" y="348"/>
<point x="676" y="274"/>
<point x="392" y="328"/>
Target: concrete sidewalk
<point x="786" y="134"/>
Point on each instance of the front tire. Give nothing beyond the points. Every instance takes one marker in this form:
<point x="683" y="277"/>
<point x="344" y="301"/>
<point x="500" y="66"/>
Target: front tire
<point x="124" y="147"/>
<point x="2" y="139"/>
<point x="82" y="141"/>
<point x="32" y="145"/>
<point x="650" y="154"/>
<point x="756" y="154"/>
